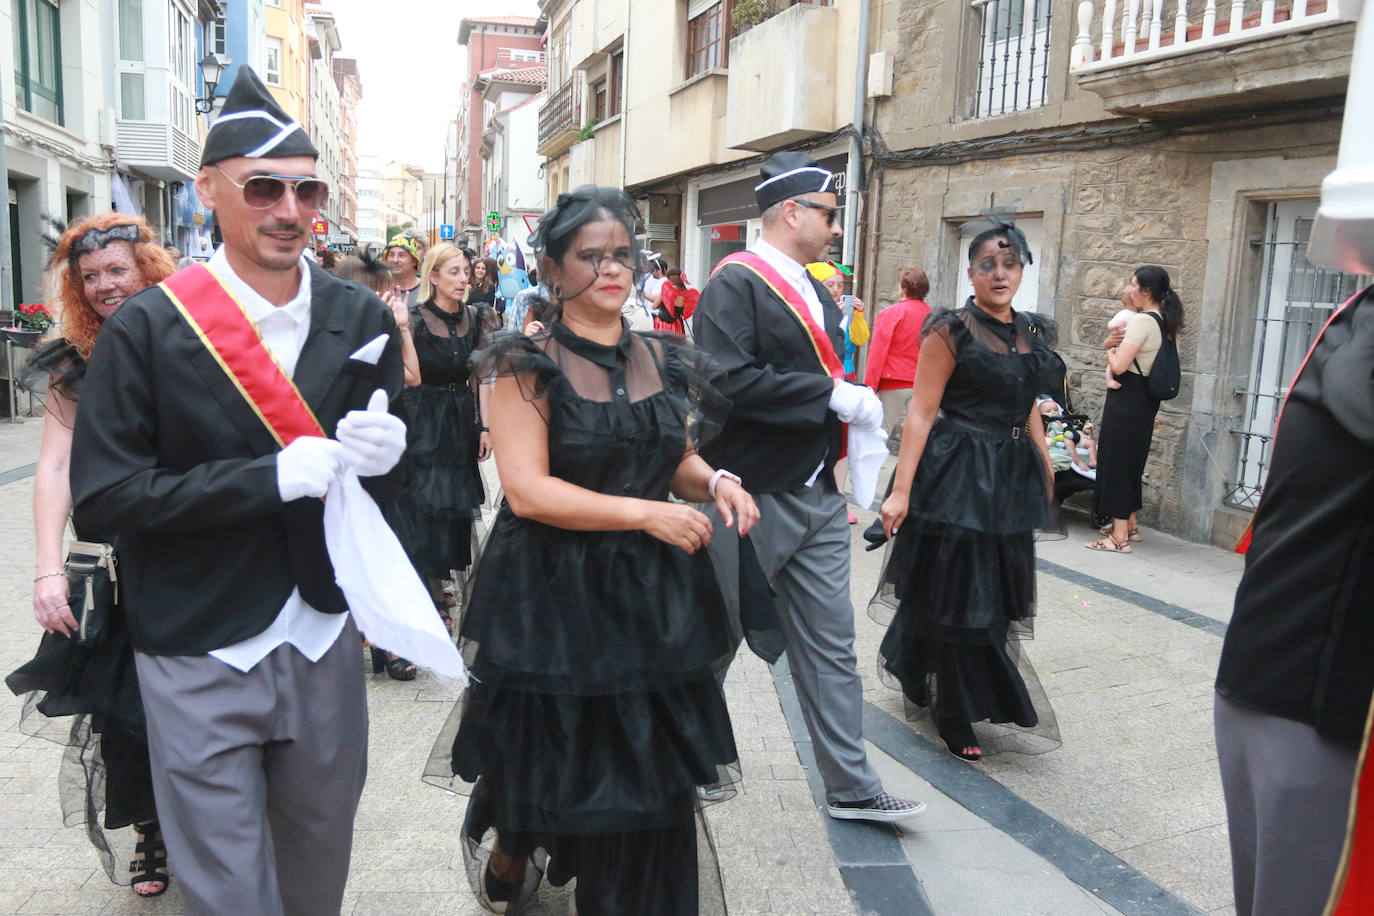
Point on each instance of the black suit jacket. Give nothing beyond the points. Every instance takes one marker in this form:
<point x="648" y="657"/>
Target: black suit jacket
<point x="781" y="425"/>
<point x="168" y="455"/>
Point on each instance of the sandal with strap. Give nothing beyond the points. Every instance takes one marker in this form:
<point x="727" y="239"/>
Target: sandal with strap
<point x="959" y="740"/>
<point x="149" y="865"/>
<point x="1109" y="544"/>
<point x="396" y="668"/>
<point x="1132" y="534"/>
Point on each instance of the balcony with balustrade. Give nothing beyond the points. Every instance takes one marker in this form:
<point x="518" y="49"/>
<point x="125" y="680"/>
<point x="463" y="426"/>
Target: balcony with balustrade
<point x="1170" y="58"/>
<point x="560" y="118"/>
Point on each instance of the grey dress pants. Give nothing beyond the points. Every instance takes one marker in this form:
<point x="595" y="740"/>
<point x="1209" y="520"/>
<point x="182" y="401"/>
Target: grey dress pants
<point x="1287" y="799"/>
<point x="802" y="542"/>
<point x="257" y="776"/>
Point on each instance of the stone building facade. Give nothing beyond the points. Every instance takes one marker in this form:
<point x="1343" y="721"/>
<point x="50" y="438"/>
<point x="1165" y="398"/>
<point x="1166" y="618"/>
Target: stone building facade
<point x="1181" y="153"/>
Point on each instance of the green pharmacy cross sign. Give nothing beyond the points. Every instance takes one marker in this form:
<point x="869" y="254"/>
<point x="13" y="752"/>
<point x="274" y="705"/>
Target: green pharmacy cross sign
<point x="494" y="221"/>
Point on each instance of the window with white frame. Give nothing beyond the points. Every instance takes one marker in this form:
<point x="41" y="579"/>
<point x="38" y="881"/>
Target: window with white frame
<point x="1013" y="55"/>
<point x="132" y="101"/>
<point x="38" y="58"/>
<point x="182" y="70"/>
<point x="272" y="67"/>
<point x="219" y="37"/>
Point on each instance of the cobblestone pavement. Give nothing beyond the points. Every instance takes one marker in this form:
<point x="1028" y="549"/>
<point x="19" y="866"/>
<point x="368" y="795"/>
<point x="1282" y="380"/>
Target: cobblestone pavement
<point x="1137" y="775"/>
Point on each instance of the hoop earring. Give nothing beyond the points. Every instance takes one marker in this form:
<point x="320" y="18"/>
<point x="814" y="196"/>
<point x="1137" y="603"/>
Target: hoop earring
<point x="557" y="293"/>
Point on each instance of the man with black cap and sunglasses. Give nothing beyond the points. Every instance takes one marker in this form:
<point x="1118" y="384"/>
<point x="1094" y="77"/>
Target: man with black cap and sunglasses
<point x="204" y="442"/>
<point x="776" y="332"/>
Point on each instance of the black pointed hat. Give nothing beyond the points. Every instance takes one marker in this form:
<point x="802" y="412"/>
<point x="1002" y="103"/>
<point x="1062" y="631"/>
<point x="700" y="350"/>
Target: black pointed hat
<point x="787" y="175"/>
<point x="253" y="125"/>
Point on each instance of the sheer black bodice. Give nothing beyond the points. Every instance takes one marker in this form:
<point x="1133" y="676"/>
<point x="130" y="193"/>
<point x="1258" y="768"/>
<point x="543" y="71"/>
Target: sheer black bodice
<point x="444" y="341"/>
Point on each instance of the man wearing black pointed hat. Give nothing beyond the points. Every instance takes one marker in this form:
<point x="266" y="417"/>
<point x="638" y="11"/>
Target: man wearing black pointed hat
<point x="776" y="331"/>
<point x="202" y="441"/>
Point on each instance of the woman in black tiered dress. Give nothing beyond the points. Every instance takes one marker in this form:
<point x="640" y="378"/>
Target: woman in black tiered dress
<point x="445" y="435"/>
<point x="86" y="696"/>
<point x="594" y="722"/>
<point x="972" y="484"/>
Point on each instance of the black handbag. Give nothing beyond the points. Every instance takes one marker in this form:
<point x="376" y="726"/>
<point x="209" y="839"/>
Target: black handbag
<point x="93" y="588"/>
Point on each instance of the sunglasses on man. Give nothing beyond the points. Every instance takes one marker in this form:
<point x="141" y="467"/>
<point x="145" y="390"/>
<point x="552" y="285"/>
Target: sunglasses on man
<point x="263" y="191"/>
<point x="831" y="213"/>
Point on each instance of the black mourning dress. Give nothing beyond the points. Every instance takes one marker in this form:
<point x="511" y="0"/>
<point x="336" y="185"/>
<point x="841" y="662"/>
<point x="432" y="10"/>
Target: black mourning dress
<point x="434" y="517"/>
<point x="594" y="716"/>
<point x="87" y="697"/>
<point x="958" y="588"/>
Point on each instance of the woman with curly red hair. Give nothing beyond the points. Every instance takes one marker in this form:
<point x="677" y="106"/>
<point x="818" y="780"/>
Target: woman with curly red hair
<point x="98" y="263"/>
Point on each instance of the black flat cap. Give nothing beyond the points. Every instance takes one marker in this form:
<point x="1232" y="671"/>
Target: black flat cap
<point x="787" y="175"/>
<point x="253" y="125"/>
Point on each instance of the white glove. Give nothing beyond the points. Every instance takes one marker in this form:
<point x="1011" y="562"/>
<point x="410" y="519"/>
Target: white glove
<point x="372" y="439"/>
<point x="307" y="467"/>
<point x="857" y="404"/>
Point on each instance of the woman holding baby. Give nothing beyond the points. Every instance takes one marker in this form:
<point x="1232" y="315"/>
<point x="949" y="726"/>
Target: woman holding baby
<point x="1128" y="416"/>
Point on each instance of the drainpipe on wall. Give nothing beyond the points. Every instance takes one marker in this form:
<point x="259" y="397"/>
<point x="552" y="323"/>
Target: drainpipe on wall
<point x="624" y="97"/>
<point x="6" y="264"/>
<point x="856" y="150"/>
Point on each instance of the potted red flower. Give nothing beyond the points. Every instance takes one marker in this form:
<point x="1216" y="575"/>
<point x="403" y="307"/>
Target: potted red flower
<point x="30" y="321"/>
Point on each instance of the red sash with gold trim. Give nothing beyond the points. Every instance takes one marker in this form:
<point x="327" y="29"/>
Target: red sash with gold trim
<point x="219" y="320"/>
<point x="820" y="341"/>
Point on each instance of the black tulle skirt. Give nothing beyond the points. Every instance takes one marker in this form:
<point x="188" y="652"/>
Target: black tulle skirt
<point x="86" y="699"/>
<point x="435" y="516"/>
<point x="957" y="591"/>
<point x="594" y="718"/>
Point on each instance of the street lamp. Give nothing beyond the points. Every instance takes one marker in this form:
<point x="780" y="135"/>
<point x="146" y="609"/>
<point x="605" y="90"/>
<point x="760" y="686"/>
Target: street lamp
<point x="211" y="68"/>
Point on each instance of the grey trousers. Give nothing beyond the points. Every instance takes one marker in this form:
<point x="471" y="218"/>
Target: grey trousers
<point x="802" y="542"/>
<point x="257" y="776"/>
<point x="1287" y="799"/>
<point x="896" y="402"/>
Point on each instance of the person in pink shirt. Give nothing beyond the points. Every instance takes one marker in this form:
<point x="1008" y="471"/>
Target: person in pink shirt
<point x="894" y="348"/>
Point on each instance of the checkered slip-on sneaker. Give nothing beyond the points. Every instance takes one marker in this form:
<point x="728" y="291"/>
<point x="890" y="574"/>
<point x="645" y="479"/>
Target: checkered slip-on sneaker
<point x="884" y="809"/>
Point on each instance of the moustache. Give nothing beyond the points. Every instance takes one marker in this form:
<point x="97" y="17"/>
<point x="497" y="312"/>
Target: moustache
<point x="283" y="228"/>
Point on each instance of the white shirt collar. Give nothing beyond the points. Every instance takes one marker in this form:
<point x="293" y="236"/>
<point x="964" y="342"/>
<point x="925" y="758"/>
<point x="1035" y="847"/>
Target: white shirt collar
<point x="783" y="263"/>
<point x="258" y="308"/>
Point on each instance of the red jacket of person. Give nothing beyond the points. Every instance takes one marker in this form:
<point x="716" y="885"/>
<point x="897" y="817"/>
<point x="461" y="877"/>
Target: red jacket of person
<point x="896" y="345"/>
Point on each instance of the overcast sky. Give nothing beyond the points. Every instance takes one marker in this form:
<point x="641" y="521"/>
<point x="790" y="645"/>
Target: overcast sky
<point x="412" y="69"/>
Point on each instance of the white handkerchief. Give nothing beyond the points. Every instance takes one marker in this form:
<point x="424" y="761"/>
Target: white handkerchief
<point x="388" y="601"/>
<point x="371" y="351"/>
<point x="867" y="451"/>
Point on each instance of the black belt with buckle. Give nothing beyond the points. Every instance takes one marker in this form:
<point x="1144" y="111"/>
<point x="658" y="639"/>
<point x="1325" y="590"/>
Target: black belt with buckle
<point x="1000" y="432"/>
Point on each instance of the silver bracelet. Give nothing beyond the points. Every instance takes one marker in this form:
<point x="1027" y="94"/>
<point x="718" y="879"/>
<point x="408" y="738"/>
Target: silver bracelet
<point x="49" y="575"/>
<point x="720" y="472"/>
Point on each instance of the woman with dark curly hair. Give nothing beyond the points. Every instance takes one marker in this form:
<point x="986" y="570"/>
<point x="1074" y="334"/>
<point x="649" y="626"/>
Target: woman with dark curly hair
<point x="1128" y="415"/>
<point x="973" y="482"/>
<point x="594" y="717"/>
<point x="99" y="262"/>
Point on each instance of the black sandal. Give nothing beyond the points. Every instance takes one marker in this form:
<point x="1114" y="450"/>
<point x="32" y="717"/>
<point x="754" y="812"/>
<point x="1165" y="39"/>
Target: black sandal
<point x="398" y="669"/>
<point x="957" y="736"/>
<point x="150" y="860"/>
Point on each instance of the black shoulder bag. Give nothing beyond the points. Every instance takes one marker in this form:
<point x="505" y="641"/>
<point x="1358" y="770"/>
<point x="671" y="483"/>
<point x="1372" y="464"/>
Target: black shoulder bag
<point x="1166" y="374"/>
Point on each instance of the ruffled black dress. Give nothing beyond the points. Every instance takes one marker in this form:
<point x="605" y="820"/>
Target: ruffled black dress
<point x="594" y="715"/>
<point x="87" y="697"/>
<point x="434" y="516"/>
<point x="958" y="588"/>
